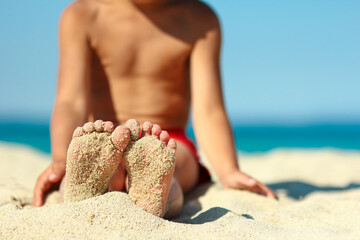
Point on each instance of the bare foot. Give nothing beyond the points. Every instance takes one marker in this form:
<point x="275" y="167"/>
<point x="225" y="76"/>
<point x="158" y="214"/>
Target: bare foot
<point x="150" y="163"/>
<point x="95" y="152"/>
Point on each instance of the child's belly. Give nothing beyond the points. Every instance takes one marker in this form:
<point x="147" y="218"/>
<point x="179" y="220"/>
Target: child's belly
<point x="161" y="101"/>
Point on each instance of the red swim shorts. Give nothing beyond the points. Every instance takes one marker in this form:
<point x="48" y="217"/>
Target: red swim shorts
<point x="180" y="136"/>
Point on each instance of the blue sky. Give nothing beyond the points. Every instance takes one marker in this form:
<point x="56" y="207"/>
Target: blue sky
<point x="284" y="62"/>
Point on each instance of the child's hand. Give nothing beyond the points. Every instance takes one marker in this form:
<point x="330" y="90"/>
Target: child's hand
<point x="240" y="180"/>
<point x="47" y="180"/>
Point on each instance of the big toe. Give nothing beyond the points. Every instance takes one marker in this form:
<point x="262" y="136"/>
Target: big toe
<point x="121" y="137"/>
<point x="134" y="127"/>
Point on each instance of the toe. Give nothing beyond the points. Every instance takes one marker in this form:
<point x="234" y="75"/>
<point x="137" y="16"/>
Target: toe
<point x="172" y="144"/>
<point x="98" y="124"/>
<point x="120" y="137"/>
<point x="156" y="130"/>
<point x="108" y="126"/>
<point x="164" y="137"/>
<point x="134" y="127"/>
<point x="146" y="128"/>
<point x="88" y="127"/>
<point x="78" y="132"/>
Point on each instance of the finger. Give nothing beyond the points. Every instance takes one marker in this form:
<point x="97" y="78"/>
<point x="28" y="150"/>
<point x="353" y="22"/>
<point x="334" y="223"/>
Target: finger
<point x="56" y="176"/>
<point x="269" y="193"/>
<point x="37" y="191"/>
<point x="266" y="191"/>
<point x="37" y="199"/>
<point x="250" y="184"/>
<point x="58" y="172"/>
<point x="255" y="188"/>
<point x="42" y="185"/>
<point x="246" y="182"/>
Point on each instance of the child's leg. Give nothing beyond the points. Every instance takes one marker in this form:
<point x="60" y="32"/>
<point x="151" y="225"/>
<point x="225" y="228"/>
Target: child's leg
<point x="185" y="178"/>
<point x="186" y="168"/>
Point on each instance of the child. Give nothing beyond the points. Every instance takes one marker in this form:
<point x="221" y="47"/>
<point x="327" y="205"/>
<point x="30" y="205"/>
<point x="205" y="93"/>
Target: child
<point x="142" y="59"/>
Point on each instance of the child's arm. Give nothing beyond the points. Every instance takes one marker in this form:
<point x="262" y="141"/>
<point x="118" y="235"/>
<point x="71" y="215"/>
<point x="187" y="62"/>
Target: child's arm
<point x="211" y="125"/>
<point x="70" y="104"/>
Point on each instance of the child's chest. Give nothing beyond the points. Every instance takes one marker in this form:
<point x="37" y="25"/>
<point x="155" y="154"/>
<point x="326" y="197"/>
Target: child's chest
<point x="141" y="46"/>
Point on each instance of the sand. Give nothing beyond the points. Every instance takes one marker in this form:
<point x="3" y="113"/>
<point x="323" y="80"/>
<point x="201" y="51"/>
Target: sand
<point x="319" y="198"/>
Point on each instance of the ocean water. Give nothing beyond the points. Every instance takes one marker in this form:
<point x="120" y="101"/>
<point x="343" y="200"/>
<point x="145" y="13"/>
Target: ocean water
<point x="247" y="138"/>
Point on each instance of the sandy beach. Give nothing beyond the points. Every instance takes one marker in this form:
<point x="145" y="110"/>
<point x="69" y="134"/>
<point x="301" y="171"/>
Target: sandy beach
<point x="319" y="198"/>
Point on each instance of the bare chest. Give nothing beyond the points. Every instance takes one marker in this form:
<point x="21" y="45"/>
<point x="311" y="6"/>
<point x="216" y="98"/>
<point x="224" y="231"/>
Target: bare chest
<point x="136" y="45"/>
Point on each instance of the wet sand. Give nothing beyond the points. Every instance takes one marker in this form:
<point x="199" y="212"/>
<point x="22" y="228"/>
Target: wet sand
<point x="319" y="198"/>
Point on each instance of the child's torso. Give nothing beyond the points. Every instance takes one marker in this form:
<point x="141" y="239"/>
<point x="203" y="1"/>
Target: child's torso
<point x="140" y="64"/>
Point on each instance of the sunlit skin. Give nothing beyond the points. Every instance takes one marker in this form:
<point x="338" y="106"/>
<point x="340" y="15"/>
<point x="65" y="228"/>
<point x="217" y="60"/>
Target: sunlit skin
<point x="147" y="60"/>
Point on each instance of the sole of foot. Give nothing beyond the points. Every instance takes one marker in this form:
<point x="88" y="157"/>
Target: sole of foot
<point x="95" y="152"/>
<point x="150" y="163"/>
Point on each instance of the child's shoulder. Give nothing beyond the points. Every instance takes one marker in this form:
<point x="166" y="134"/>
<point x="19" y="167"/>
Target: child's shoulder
<point x="201" y="7"/>
<point x="202" y="13"/>
<point x="80" y="10"/>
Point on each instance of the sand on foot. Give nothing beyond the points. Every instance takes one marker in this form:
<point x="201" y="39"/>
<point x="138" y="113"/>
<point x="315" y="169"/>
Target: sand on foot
<point x="150" y="164"/>
<point x="95" y="152"/>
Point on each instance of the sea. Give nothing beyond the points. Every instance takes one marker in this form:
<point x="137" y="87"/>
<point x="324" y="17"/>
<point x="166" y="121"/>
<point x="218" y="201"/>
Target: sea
<point x="248" y="139"/>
